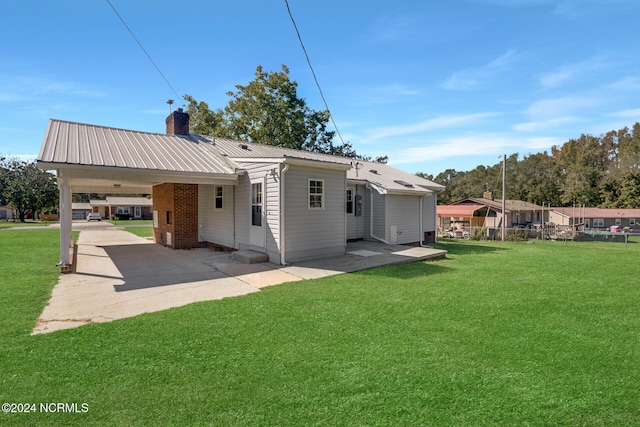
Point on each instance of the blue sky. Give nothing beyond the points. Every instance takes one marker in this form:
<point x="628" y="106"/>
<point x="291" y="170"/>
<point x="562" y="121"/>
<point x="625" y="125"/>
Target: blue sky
<point x="434" y="85"/>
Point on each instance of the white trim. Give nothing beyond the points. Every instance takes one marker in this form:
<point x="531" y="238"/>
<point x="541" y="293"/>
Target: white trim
<point x="321" y="194"/>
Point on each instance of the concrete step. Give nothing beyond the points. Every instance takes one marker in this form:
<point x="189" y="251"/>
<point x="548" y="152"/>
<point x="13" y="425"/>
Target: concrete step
<point x="249" y="257"/>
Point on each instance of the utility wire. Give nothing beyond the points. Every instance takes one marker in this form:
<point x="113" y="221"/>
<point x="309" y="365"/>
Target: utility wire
<point x="312" y="71"/>
<point x="144" y="50"/>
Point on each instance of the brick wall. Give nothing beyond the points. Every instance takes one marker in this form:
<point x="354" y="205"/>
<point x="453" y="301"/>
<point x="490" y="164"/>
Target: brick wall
<point x="177" y="207"/>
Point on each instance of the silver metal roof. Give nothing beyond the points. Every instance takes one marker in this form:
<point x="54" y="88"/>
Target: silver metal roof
<point x="385" y="177"/>
<point x="68" y="143"/>
<point x="146" y="158"/>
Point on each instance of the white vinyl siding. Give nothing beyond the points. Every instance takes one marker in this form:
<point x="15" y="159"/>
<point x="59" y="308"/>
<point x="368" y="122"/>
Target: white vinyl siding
<point x="358" y="225"/>
<point x="404" y="213"/>
<point x="270" y="175"/>
<point x="314" y="233"/>
<point x="214" y="225"/>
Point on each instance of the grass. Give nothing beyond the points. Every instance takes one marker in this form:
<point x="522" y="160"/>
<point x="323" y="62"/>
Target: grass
<point x="495" y="334"/>
<point x="132" y="223"/>
<point x="27" y="223"/>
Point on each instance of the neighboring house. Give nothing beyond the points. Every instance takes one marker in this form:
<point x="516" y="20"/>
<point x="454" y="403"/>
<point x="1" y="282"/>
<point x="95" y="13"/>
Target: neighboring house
<point x="487" y="212"/>
<point x="121" y="207"/>
<point x="7" y="213"/>
<point x="80" y="210"/>
<point x="291" y="205"/>
<point x="595" y="218"/>
<point x="127" y="207"/>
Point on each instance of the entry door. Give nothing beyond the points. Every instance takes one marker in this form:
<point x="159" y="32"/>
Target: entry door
<point x="257" y="226"/>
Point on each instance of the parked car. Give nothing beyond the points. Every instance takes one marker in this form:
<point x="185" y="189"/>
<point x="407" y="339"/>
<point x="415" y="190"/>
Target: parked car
<point x="94" y="216"/>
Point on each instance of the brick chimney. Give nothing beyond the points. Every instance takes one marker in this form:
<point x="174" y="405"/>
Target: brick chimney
<point x="488" y="195"/>
<point x="178" y="123"/>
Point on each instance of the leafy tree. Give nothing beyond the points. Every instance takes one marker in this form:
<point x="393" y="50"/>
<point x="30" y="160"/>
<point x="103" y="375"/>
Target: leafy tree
<point x="27" y="188"/>
<point x="268" y="110"/>
<point x="629" y="191"/>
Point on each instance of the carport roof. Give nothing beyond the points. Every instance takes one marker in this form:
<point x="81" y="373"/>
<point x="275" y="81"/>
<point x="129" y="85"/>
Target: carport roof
<point x="68" y="143"/>
<point x="463" y="211"/>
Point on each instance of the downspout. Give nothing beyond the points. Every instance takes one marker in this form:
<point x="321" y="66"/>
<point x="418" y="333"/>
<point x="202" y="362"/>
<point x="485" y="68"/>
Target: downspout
<point x="435" y="215"/>
<point x="282" y="208"/>
<point x="371" y="217"/>
<point x="234" y="217"/>
<point x="420" y="237"/>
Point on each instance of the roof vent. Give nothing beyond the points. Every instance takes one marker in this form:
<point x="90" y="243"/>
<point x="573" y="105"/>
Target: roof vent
<point x="401" y="182"/>
<point x="244" y="146"/>
<point x="373" y="171"/>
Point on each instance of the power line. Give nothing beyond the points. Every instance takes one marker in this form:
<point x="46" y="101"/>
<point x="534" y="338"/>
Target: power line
<point x="312" y="71"/>
<point x="144" y="50"/>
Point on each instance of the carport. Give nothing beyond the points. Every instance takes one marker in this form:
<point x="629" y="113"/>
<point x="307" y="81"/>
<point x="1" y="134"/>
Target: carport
<point x="94" y="159"/>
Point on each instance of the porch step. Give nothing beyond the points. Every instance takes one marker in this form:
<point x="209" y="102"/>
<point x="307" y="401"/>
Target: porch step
<point x="249" y="257"/>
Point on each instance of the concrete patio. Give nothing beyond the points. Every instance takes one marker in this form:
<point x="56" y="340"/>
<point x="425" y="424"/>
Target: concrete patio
<point x="119" y="275"/>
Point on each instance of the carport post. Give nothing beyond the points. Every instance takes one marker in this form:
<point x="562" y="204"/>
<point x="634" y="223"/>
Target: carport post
<point x="65" y="218"/>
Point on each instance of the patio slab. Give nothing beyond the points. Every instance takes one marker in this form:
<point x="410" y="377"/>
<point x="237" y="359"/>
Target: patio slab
<point x="120" y="275"/>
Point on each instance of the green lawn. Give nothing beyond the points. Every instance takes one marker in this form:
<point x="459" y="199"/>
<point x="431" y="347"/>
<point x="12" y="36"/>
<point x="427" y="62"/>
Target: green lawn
<point x="495" y="334"/>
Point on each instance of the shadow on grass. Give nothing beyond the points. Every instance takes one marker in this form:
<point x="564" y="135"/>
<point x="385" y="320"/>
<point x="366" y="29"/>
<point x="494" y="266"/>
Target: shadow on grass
<point x="459" y="248"/>
<point x="410" y="270"/>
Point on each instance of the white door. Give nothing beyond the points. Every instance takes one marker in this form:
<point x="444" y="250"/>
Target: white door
<point x="256" y="228"/>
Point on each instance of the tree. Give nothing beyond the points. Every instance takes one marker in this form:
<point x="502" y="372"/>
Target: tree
<point x="27" y="188"/>
<point x="268" y="110"/>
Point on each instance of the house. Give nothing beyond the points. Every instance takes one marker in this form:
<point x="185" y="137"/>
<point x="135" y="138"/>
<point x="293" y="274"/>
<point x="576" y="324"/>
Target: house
<point x="596" y="218"/>
<point x="123" y="207"/>
<point x="120" y="207"/>
<point x="487" y="212"/>
<point x="288" y="204"/>
<point x="7" y="213"/>
<point x="80" y="210"/>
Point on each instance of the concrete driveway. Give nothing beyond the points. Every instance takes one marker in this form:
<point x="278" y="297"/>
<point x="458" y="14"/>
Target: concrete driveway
<point x="120" y="275"/>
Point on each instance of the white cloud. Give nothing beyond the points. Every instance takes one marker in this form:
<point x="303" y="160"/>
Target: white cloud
<point x="475" y="77"/>
<point x="561" y="107"/>
<point x="630" y="113"/>
<point x="570" y="72"/>
<point x="427" y="125"/>
<point x="544" y="124"/>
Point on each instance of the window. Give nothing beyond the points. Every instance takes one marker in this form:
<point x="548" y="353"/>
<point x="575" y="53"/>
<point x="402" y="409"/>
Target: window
<point x="350" y="200"/>
<point x="618" y="221"/>
<point x="256" y="204"/>
<point x="219" y="197"/>
<point x="316" y="193"/>
<point x="632" y="221"/>
<point x="598" y="222"/>
<point x="168" y="217"/>
<point x="120" y="210"/>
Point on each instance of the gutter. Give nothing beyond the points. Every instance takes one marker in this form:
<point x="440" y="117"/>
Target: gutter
<point x="282" y="205"/>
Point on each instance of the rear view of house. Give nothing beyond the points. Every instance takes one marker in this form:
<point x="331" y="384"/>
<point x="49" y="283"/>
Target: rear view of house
<point x="288" y="204"/>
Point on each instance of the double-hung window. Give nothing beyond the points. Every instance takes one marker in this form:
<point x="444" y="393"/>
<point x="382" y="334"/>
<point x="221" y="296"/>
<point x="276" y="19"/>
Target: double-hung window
<point x="316" y="194"/>
<point x="219" y="197"/>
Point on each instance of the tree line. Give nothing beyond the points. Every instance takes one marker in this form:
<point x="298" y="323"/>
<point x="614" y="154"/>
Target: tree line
<point x="595" y="171"/>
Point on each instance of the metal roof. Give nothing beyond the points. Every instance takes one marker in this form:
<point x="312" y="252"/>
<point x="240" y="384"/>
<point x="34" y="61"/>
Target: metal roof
<point x="69" y="143"/>
<point x="463" y="211"/>
<point x="382" y="175"/>
<point x="578" y="212"/>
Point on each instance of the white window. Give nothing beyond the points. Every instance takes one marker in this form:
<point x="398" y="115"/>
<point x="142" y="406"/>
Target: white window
<point x="316" y="194"/>
<point x="219" y="197"/>
<point x="121" y="210"/>
<point x="350" y="201"/>
<point x="256" y="204"/>
<point x="618" y="221"/>
<point x="632" y="221"/>
<point x="598" y="222"/>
